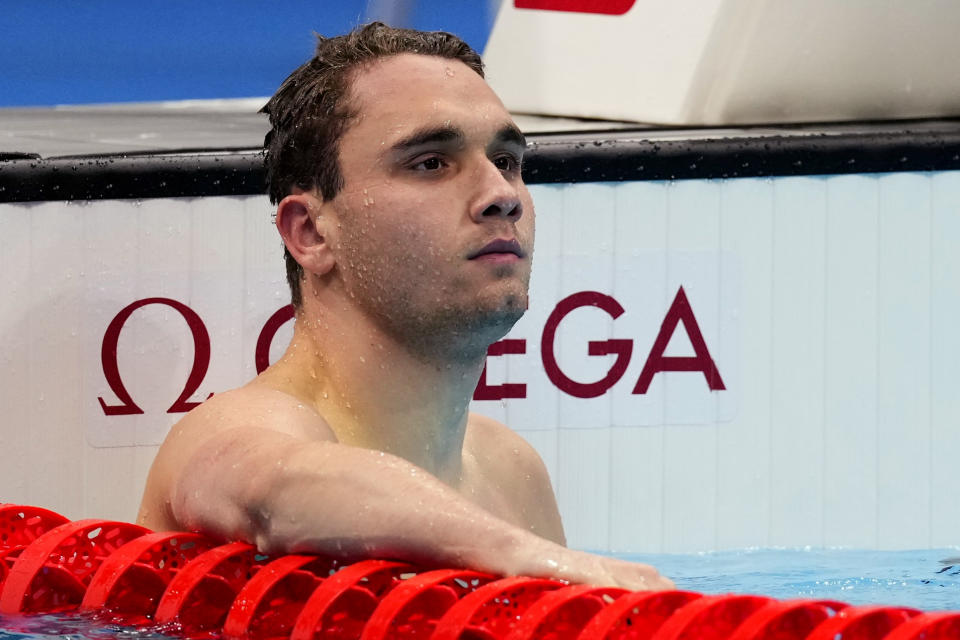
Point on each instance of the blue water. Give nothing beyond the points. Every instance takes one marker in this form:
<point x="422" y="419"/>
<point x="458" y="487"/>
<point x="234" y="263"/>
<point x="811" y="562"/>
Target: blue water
<point x="69" y="627"/>
<point x="911" y="578"/>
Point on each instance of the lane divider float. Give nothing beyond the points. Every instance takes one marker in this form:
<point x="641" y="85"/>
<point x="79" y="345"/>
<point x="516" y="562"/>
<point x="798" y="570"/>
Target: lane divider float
<point x="187" y="584"/>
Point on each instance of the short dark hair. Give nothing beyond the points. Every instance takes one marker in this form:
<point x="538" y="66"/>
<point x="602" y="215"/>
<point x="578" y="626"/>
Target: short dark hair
<point x="310" y="111"/>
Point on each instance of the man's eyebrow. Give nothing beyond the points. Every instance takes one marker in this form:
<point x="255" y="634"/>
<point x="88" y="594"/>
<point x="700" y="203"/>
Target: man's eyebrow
<point x="510" y="134"/>
<point x="429" y="135"/>
<point x="445" y="134"/>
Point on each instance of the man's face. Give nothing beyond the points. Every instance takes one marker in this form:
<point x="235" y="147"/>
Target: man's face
<point x="435" y="226"/>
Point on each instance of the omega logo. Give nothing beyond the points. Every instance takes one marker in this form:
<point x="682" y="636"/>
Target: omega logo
<point x="201" y="354"/>
<point x="656" y="362"/>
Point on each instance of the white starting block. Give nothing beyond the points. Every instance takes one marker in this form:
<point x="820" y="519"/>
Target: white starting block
<point x="716" y="62"/>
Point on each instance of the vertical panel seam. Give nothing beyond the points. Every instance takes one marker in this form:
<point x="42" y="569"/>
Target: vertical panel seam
<point x="668" y="185"/>
<point x="770" y="357"/>
<point x="930" y="346"/>
<point x="84" y="483"/>
<point x="716" y="404"/>
<point x="561" y="475"/>
<point x="877" y="382"/>
<point x="828" y="212"/>
<point x="613" y="279"/>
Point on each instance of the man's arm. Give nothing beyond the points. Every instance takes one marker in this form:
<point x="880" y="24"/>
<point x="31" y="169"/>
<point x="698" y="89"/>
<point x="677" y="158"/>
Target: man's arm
<point x="287" y="494"/>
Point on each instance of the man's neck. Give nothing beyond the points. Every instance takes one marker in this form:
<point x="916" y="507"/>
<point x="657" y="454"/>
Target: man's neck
<point x="376" y="394"/>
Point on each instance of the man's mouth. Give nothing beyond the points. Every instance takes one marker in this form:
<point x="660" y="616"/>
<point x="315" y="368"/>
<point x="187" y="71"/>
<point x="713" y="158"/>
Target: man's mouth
<point x="500" y="249"/>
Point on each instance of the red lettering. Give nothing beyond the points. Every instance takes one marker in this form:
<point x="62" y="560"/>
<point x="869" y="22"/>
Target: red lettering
<point x="656" y="362"/>
<point x="111" y="370"/>
<point x="621" y="348"/>
<point x="608" y="7"/>
<point x="261" y="355"/>
<point x="501" y="391"/>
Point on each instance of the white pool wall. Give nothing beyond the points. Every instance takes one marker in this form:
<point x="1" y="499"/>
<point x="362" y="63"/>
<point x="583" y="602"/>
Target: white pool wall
<point x="828" y="304"/>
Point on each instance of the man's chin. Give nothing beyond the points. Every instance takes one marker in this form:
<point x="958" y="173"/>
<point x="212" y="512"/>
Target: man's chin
<point x="461" y="331"/>
<point x="477" y="328"/>
<point x="496" y="323"/>
<point x="505" y="308"/>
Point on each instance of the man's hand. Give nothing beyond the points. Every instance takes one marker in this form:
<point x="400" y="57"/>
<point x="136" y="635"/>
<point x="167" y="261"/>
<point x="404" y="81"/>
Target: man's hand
<point x="542" y="559"/>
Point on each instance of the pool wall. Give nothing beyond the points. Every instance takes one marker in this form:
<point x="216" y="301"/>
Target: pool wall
<point x="773" y="316"/>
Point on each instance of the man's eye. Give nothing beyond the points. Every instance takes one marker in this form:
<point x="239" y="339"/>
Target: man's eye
<point x="429" y="164"/>
<point x="506" y="163"/>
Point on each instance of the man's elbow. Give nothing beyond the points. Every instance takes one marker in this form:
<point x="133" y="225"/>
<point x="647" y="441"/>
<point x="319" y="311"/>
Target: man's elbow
<point x="222" y="491"/>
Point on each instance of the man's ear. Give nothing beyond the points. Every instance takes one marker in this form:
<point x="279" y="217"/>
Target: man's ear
<point x="303" y="227"/>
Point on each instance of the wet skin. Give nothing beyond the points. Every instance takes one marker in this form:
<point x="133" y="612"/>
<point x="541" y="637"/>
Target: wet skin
<point x="358" y="440"/>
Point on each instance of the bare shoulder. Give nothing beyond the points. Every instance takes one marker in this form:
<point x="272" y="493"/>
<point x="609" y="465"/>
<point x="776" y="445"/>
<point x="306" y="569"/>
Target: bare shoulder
<point x="252" y="408"/>
<point x="516" y="468"/>
<point x="248" y="414"/>
<point x="257" y="406"/>
<point x="493" y="441"/>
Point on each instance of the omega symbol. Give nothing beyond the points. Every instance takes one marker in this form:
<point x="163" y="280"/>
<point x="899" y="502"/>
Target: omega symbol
<point x="108" y="356"/>
<point x="201" y="354"/>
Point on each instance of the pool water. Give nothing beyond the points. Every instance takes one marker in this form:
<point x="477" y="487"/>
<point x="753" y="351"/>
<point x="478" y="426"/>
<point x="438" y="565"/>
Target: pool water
<point x="911" y="578"/>
<point x="70" y="627"/>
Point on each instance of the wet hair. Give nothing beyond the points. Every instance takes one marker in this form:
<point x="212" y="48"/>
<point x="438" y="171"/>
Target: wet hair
<point x="311" y="110"/>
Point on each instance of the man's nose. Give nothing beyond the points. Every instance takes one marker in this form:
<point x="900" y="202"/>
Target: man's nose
<point x="496" y="195"/>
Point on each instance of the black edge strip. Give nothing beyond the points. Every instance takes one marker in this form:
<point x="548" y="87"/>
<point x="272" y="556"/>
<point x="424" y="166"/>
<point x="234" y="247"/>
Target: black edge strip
<point x="573" y="159"/>
<point x="599" y="161"/>
<point x="135" y="176"/>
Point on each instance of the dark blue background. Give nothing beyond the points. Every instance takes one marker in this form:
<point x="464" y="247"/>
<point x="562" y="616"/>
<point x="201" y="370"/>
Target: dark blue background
<point x="90" y="51"/>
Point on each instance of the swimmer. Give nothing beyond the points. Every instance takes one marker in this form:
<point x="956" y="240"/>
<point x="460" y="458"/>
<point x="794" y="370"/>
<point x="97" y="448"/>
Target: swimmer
<point x="409" y="235"/>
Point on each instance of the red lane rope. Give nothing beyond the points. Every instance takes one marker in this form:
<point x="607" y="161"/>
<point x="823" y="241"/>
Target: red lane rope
<point x="344" y="602"/>
<point x="52" y="572"/>
<point x="199" y="597"/>
<point x="268" y="604"/>
<point x="563" y="612"/>
<point x="19" y="526"/>
<point x="493" y="610"/>
<point x="131" y="581"/>
<point x="189" y="583"/>
<point x="787" y="620"/>
<point x="412" y="608"/>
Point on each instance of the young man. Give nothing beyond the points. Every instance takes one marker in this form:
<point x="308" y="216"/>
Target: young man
<point x="408" y="233"/>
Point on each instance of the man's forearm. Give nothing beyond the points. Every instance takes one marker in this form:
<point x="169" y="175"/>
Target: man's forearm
<point x="288" y="495"/>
